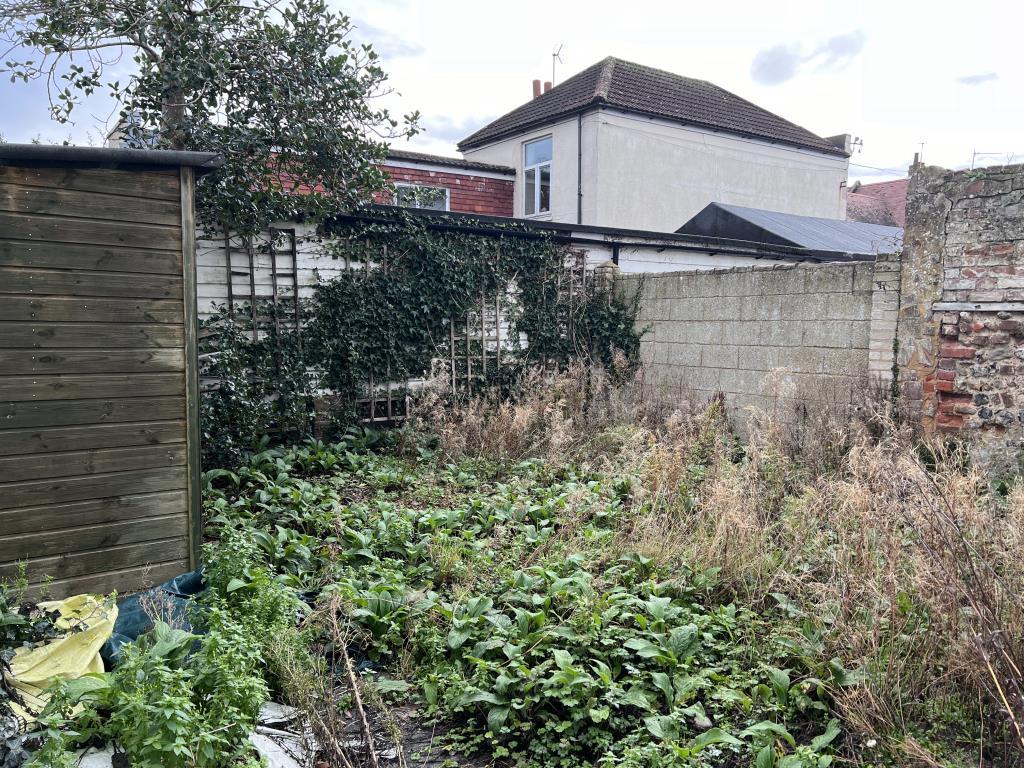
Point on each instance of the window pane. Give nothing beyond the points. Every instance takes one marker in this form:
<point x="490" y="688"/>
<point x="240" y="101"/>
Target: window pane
<point x="545" y="188"/>
<point x="529" y="202"/>
<point x="538" y="152"/>
<point x="431" y="198"/>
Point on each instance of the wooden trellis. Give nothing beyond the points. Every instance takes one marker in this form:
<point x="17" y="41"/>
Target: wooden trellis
<point x="273" y="304"/>
<point x="264" y="275"/>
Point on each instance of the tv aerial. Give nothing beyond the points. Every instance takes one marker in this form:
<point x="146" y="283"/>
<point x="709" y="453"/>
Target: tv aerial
<point x="556" y="56"/>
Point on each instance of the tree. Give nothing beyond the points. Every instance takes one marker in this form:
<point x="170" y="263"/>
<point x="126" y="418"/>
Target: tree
<point x="276" y="86"/>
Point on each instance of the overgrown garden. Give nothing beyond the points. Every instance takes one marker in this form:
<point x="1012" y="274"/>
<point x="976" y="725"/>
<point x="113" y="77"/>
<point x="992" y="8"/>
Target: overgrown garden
<point x="549" y="565"/>
<point x="580" y="575"/>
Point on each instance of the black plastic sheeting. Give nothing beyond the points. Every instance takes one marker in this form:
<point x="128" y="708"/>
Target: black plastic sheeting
<point x="173" y="598"/>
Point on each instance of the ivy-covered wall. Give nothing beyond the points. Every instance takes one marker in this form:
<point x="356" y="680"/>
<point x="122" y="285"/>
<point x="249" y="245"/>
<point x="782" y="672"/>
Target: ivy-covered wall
<point x="414" y="299"/>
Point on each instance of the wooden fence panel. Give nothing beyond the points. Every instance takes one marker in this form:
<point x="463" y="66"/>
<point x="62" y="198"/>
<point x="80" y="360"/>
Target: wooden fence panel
<point x="96" y="477"/>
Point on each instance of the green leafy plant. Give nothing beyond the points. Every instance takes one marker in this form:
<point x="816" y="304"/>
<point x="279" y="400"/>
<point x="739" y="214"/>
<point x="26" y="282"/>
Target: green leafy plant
<point x="279" y="89"/>
<point x="568" y="660"/>
<point x="384" y="323"/>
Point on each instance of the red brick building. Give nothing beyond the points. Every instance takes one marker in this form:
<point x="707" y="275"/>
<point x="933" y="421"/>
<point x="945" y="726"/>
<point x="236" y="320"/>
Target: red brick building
<point x="450" y="183"/>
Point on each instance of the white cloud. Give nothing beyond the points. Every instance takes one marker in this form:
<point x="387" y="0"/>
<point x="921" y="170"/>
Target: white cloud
<point x="978" y="79"/>
<point x="780" y="63"/>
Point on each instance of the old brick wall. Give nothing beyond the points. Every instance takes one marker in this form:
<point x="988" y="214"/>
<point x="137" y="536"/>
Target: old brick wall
<point x="961" y="326"/>
<point x="468" y="193"/>
<point x="769" y="337"/>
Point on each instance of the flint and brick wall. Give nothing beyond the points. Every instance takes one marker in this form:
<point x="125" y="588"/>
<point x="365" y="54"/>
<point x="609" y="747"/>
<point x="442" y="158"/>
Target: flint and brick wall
<point x="961" y="325"/>
<point x="468" y="193"/>
<point x="769" y="337"/>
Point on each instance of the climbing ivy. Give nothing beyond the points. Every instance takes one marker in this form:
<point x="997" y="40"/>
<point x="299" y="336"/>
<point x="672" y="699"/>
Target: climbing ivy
<point x="388" y="318"/>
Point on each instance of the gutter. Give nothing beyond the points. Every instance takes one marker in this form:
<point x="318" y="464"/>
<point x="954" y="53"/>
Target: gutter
<point x="108" y="157"/>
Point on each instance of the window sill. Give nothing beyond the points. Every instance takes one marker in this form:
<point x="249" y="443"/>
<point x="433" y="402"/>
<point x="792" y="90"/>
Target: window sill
<point x="546" y="216"/>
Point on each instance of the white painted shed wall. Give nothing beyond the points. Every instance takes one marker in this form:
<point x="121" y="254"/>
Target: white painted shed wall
<point x="315" y="264"/>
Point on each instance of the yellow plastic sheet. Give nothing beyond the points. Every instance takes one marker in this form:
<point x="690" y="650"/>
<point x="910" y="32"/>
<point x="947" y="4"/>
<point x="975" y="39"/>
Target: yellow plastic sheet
<point x="88" y="621"/>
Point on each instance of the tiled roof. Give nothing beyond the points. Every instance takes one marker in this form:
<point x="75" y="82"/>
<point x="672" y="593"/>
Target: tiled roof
<point x="452" y="162"/>
<point x="884" y="202"/>
<point x="653" y="92"/>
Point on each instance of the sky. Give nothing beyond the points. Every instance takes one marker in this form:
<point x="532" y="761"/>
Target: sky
<point x="934" y="77"/>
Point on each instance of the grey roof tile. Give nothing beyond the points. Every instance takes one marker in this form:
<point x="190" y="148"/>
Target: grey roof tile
<point x="453" y="162"/>
<point x="631" y="87"/>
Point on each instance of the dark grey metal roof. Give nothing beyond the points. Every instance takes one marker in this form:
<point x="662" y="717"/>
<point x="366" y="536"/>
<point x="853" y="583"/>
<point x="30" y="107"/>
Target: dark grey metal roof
<point x="811" y="232"/>
<point x="107" y="157"/>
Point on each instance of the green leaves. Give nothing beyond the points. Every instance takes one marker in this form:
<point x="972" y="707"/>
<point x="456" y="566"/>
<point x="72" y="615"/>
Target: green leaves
<point x="760" y="730"/>
<point x="662" y="727"/>
<point x="386" y="685"/>
<point x="280" y="91"/>
<point x="713" y="736"/>
<point x="683" y="641"/>
<point x="832" y="731"/>
<point x="680" y="644"/>
<point x="780" y="685"/>
<point x="554" y="657"/>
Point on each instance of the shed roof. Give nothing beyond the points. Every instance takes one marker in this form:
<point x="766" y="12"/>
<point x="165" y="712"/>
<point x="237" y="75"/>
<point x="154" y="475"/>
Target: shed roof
<point x="811" y="232"/>
<point x="590" y="234"/>
<point x="635" y="88"/>
<point x="107" y="157"/>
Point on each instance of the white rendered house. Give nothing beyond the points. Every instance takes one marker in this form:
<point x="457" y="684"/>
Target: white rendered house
<point x="623" y="145"/>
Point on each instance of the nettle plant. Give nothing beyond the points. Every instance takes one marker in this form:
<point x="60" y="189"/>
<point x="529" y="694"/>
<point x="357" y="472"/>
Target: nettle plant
<point x="389" y="318"/>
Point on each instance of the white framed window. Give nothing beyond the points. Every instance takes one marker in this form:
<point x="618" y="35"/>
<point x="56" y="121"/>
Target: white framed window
<point x="537" y="176"/>
<point x="422" y="196"/>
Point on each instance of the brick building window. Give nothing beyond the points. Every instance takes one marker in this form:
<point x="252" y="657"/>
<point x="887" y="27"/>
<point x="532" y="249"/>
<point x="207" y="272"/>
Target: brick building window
<point x="537" y="176"/>
<point x="422" y="196"/>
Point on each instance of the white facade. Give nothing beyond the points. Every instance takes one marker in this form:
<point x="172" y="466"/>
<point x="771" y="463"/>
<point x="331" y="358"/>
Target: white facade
<point x="652" y="174"/>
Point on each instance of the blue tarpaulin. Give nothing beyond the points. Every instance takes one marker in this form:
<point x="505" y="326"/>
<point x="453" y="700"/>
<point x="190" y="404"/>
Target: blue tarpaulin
<point x="174" y="599"/>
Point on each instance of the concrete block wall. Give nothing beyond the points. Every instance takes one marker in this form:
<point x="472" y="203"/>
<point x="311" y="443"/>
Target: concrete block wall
<point x="768" y="336"/>
<point x="942" y="323"/>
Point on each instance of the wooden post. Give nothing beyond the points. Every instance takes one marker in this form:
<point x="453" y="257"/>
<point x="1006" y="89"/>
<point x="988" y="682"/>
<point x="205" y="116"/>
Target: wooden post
<point x="188" y="261"/>
<point x="271" y="235"/>
<point x="483" y="335"/>
<point x="227" y="263"/>
<point x="469" y="366"/>
<point x="373" y="401"/>
<point x="252" y="287"/>
<point x="295" y="286"/>
<point x="451" y="349"/>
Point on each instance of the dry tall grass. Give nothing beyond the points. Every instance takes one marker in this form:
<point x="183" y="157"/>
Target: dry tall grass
<point x="901" y="555"/>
